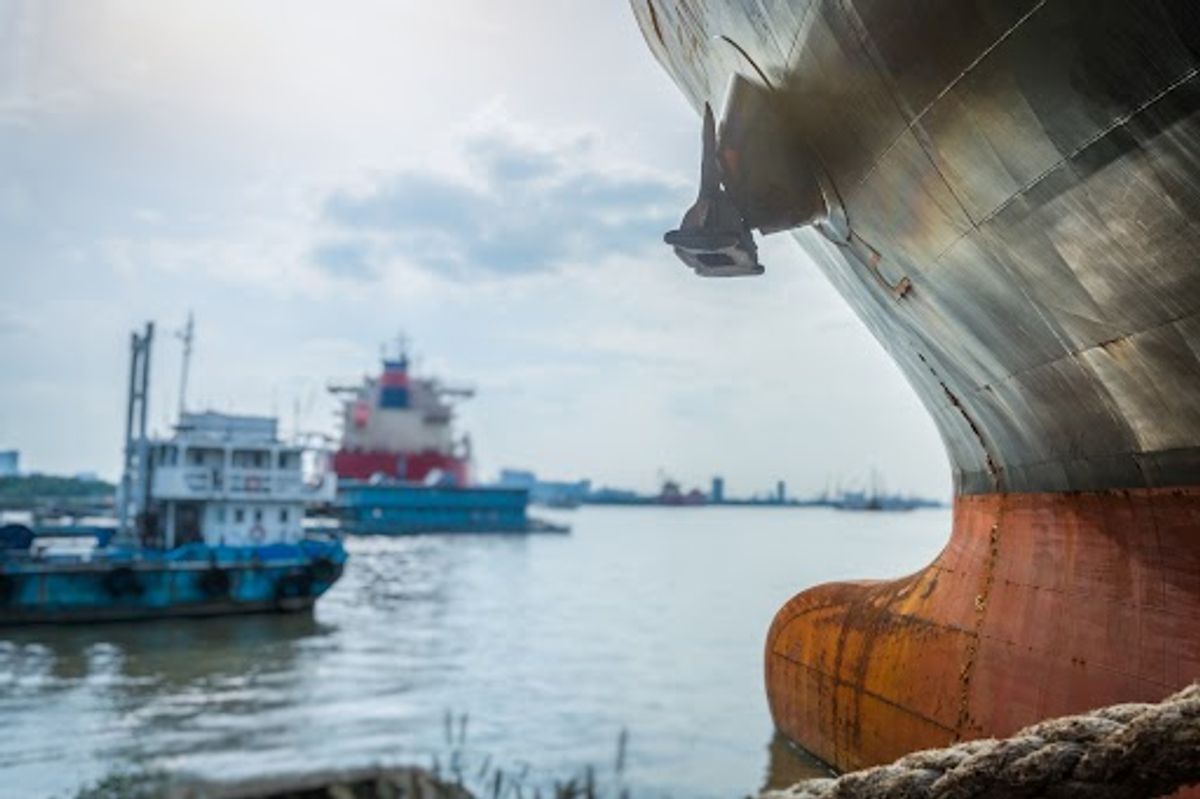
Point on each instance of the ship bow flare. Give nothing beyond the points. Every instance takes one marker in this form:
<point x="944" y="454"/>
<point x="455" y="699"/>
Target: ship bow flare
<point x="1007" y="192"/>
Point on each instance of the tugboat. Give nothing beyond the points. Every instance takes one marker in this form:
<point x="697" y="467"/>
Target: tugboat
<point x="209" y="523"/>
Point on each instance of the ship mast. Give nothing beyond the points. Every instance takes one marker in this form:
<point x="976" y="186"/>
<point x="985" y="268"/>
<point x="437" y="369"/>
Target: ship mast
<point x="186" y="335"/>
<point x="135" y="476"/>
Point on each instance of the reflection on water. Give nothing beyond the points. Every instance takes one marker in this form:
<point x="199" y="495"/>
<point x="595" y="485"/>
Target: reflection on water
<point x="169" y="654"/>
<point x="788" y="765"/>
<point x="647" y="620"/>
<point x="133" y="693"/>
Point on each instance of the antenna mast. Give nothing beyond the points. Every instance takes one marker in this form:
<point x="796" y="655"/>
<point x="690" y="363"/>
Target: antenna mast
<point x="185" y="336"/>
<point x="135" y="474"/>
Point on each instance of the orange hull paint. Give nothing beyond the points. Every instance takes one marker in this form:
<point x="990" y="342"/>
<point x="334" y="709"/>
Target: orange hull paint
<point x="1041" y="605"/>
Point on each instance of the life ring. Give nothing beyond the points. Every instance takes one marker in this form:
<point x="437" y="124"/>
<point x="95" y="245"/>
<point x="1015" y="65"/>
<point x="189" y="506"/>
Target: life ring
<point x="215" y="582"/>
<point x="257" y="533"/>
<point x="15" y="536"/>
<point x="121" y="582"/>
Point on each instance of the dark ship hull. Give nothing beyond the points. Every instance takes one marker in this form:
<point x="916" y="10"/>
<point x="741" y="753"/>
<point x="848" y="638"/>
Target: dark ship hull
<point x="1018" y="188"/>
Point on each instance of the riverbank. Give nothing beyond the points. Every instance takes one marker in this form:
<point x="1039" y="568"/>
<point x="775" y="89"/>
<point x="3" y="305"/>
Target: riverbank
<point x="363" y="783"/>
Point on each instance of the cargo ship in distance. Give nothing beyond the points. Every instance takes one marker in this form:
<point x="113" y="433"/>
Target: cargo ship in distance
<point x="1008" y="194"/>
<point x="395" y="425"/>
<point x="401" y="468"/>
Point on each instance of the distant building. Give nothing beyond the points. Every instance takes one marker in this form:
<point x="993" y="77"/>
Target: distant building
<point x="607" y="495"/>
<point x="781" y="492"/>
<point x="10" y="463"/>
<point x="554" y="494"/>
<point x="673" y="494"/>
<point x="718" y="490"/>
<point x="517" y="478"/>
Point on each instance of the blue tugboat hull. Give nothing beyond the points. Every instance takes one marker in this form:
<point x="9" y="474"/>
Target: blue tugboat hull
<point x="196" y="580"/>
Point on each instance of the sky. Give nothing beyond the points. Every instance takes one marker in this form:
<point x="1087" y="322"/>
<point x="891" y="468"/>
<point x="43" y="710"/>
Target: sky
<point x="490" y="179"/>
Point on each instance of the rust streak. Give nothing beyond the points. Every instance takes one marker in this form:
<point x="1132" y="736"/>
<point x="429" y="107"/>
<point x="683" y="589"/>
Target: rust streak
<point x="878" y="697"/>
<point x="993" y="468"/>
<point x="654" y="23"/>
<point x="981" y="600"/>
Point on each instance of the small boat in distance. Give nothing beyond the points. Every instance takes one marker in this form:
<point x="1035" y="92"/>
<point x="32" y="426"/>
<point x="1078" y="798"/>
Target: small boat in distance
<point x="209" y="522"/>
<point x="875" y="498"/>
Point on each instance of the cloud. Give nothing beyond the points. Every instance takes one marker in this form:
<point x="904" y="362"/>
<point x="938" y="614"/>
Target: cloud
<point x="15" y="321"/>
<point x="523" y="204"/>
<point x="16" y="207"/>
<point x="349" y="259"/>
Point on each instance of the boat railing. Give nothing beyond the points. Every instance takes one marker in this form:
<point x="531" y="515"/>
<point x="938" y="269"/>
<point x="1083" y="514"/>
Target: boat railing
<point x="199" y="482"/>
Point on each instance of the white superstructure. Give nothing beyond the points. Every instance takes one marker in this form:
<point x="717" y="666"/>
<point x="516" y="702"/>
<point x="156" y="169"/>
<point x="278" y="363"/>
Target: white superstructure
<point x="227" y="479"/>
<point x="420" y="422"/>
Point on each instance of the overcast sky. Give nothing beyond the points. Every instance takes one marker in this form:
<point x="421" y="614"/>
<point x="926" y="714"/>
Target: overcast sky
<point x="491" y="178"/>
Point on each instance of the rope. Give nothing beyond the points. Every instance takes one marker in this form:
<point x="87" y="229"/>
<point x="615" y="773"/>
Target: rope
<point x="1120" y="752"/>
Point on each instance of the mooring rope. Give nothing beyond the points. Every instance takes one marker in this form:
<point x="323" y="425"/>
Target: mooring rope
<point x="1121" y="752"/>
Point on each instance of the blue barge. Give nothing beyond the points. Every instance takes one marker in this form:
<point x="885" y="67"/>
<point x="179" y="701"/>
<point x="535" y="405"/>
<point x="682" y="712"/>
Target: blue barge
<point x="397" y="508"/>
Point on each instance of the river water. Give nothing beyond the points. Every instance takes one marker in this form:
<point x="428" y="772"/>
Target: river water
<point x="541" y="650"/>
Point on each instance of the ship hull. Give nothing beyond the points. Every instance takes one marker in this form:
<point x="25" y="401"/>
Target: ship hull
<point x="1017" y="184"/>
<point x="194" y="581"/>
<point x="1041" y="605"/>
<point x="414" y="467"/>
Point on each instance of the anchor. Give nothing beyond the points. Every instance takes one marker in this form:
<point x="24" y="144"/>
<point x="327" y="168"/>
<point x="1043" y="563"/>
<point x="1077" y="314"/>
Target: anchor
<point x="713" y="238"/>
<point x="743" y="187"/>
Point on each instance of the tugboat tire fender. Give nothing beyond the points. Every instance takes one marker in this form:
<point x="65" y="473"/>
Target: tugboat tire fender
<point x="122" y="581"/>
<point x="8" y="587"/>
<point x="295" y="585"/>
<point x="215" y="582"/>
<point x="15" y="536"/>
<point x="323" y="570"/>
